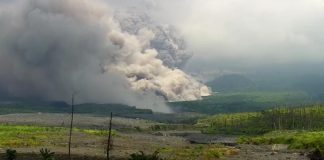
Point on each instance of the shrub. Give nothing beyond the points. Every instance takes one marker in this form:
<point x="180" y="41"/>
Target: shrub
<point x="47" y="154"/>
<point x="316" y="154"/>
<point x="142" y="156"/>
<point x="213" y="153"/>
<point x="11" y="154"/>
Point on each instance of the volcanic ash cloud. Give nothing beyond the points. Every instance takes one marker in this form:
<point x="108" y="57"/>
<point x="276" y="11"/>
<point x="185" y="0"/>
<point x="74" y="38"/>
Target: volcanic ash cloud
<point x="48" y="49"/>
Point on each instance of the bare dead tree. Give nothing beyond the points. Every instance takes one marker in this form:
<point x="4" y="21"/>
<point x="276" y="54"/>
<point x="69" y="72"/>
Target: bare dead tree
<point x="109" y="137"/>
<point x="71" y="124"/>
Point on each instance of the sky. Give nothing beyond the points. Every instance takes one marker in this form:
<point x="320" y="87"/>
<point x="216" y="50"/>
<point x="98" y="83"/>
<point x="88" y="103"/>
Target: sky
<point x="233" y="34"/>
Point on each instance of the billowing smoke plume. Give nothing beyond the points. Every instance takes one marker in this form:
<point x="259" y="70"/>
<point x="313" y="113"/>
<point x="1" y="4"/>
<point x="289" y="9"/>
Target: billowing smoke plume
<point x="49" y="49"/>
<point x="167" y="40"/>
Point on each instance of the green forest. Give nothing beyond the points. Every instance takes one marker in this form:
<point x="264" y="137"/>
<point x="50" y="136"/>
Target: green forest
<point x="302" y="118"/>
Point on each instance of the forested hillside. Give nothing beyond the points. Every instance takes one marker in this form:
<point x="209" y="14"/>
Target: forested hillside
<point x="310" y="118"/>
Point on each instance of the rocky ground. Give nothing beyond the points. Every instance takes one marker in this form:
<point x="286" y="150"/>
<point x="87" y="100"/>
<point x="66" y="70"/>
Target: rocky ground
<point x="264" y="152"/>
<point x="80" y="120"/>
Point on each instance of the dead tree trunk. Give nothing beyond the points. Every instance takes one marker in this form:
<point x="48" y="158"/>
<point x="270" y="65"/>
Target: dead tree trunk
<point x="71" y="125"/>
<point x="109" y="137"/>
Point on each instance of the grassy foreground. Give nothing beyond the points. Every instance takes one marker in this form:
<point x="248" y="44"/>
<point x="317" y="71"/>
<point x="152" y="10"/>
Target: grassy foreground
<point x="33" y="136"/>
<point x="28" y="139"/>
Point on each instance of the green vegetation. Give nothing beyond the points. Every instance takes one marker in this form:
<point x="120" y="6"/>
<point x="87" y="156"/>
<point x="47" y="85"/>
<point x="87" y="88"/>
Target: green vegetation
<point x="14" y="136"/>
<point x="243" y="102"/>
<point x="295" y="139"/>
<point x="96" y="132"/>
<point x="142" y="156"/>
<point x="33" y="136"/>
<point x="46" y="154"/>
<point x="311" y="118"/>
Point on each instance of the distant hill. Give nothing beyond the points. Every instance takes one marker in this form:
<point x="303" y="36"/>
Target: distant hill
<point x="231" y="82"/>
<point x="246" y="101"/>
<point x="8" y="107"/>
<point x="312" y="84"/>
